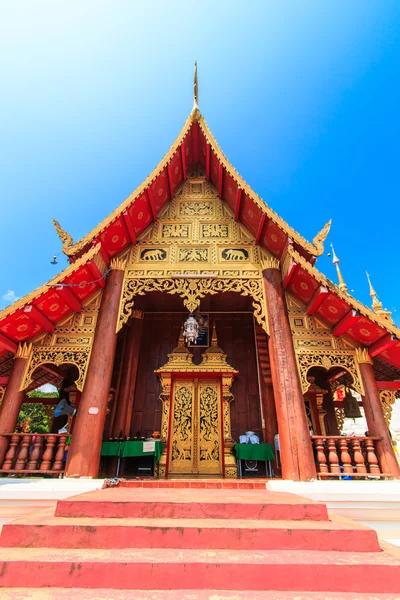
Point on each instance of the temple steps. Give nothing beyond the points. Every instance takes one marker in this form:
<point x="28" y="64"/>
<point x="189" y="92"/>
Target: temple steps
<point x="247" y="551"/>
<point x="45" y="530"/>
<point x="191" y="504"/>
<point x="157" y="568"/>
<point x="109" y="594"/>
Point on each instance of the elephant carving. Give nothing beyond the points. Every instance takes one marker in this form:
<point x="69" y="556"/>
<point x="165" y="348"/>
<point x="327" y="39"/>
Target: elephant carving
<point x="235" y="254"/>
<point x="153" y="254"/>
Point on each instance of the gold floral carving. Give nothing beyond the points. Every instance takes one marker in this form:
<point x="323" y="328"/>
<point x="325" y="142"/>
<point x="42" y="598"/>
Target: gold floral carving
<point x="2" y="393"/>
<point x="24" y="351"/>
<point x="59" y="356"/>
<point x="269" y="262"/>
<point x="117" y="264"/>
<point x="191" y="291"/>
<point x="193" y="254"/>
<point x="387" y="398"/>
<point x="327" y="360"/>
<point x="339" y="413"/>
<point x="363" y="356"/>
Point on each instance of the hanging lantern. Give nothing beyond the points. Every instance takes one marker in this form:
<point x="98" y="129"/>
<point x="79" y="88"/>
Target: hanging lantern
<point x="351" y="407"/>
<point x="191" y="330"/>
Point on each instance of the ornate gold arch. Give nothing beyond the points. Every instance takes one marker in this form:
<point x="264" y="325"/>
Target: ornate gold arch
<point x="327" y="360"/>
<point x="70" y="343"/>
<point x="191" y="290"/>
<point x="42" y="355"/>
<point x="388" y="398"/>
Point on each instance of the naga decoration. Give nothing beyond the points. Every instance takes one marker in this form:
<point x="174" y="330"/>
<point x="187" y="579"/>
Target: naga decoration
<point x="320" y="238"/>
<point x="69" y="248"/>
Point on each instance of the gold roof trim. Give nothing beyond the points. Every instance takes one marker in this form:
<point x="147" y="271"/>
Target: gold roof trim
<point x="71" y="249"/>
<point x="361" y="308"/>
<point x="58" y="279"/>
<point x="315" y="249"/>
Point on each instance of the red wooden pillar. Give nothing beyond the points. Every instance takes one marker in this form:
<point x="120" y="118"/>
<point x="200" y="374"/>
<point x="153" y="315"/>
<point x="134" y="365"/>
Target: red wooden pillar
<point x="84" y="453"/>
<point x="14" y="397"/>
<point x="294" y="436"/>
<point x="374" y="416"/>
<point x="123" y="415"/>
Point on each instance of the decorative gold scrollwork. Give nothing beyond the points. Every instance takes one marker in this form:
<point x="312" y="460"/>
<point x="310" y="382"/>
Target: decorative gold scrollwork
<point x="387" y="398"/>
<point x="339" y="413"/>
<point x="58" y="356"/>
<point x="192" y="290"/>
<point x="327" y="360"/>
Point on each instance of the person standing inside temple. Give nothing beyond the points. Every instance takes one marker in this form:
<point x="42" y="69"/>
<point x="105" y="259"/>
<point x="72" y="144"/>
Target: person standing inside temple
<point x="63" y="409"/>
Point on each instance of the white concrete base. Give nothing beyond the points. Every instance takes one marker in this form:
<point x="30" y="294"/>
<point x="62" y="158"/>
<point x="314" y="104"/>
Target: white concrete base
<point x="20" y="497"/>
<point x="373" y="503"/>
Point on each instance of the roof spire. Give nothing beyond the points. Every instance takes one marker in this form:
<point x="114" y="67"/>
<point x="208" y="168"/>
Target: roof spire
<point x="336" y="262"/>
<point x="195" y="114"/>
<point x="377" y="306"/>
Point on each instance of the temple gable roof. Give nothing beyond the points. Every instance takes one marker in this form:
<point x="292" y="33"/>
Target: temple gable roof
<point x="195" y="148"/>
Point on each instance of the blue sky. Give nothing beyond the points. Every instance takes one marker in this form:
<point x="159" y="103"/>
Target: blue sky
<point x="303" y="98"/>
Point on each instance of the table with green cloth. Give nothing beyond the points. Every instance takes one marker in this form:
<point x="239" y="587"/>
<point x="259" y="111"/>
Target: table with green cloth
<point x="259" y="452"/>
<point x="127" y="449"/>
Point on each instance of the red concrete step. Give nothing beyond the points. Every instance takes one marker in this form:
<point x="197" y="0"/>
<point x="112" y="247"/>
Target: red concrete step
<point x="43" y="530"/>
<point x="107" y="594"/>
<point x="191" y="504"/>
<point x="145" y="569"/>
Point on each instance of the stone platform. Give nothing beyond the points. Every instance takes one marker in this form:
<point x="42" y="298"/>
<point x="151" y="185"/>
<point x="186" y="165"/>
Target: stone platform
<point x="192" y="542"/>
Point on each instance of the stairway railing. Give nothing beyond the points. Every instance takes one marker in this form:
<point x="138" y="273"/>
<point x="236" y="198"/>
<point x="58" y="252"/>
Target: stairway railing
<point x="30" y="453"/>
<point x="347" y="456"/>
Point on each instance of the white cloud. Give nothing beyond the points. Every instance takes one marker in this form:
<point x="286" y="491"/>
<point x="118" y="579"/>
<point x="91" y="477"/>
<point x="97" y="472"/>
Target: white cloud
<point x="47" y="388"/>
<point x="10" y="297"/>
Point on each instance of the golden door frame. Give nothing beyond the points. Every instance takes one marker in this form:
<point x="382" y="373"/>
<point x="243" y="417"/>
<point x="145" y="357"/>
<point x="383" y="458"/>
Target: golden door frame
<point x="196" y="442"/>
<point x="214" y="367"/>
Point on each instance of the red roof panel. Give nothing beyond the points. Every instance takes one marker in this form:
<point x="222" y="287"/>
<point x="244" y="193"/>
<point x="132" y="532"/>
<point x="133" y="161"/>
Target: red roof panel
<point x="160" y="191"/>
<point x="140" y="214"/>
<point x="230" y="188"/>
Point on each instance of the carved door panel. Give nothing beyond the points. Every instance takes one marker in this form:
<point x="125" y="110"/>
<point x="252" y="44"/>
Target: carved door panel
<point x="195" y="444"/>
<point x="209" y="427"/>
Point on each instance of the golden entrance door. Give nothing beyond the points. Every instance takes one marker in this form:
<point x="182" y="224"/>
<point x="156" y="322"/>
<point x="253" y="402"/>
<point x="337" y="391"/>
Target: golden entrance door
<point x="195" y="442"/>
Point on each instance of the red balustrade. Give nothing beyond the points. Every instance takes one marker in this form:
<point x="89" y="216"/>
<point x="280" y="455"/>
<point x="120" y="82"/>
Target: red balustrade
<point x="341" y="456"/>
<point x="39" y="453"/>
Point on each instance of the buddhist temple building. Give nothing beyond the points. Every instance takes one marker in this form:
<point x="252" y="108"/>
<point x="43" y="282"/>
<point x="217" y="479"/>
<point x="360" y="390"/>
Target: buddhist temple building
<point x="192" y="314"/>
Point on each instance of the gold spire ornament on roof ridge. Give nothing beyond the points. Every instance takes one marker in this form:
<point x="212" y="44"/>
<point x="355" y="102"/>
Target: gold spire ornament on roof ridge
<point x="195" y="114"/>
<point x="377" y="305"/>
<point x="320" y="238"/>
<point x="336" y="261"/>
<point x="69" y="248"/>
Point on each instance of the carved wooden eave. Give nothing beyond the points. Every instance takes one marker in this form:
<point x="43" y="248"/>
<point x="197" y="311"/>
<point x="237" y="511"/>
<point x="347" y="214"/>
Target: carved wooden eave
<point x="37" y="313"/>
<point x="342" y="312"/>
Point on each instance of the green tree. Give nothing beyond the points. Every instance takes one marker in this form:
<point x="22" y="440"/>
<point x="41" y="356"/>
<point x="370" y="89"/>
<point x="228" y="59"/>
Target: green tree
<point x="34" y="418"/>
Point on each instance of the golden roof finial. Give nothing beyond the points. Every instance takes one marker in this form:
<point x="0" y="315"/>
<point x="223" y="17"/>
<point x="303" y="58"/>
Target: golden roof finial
<point x="214" y="339"/>
<point x="336" y="262"/>
<point x="195" y="114"/>
<point x="181" y="340"/>
<point x="377" y="306"/>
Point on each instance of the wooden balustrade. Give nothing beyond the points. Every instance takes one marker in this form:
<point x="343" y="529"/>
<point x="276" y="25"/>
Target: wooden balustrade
<point x="35" y="453"/>
<point x="342" y="456"/>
